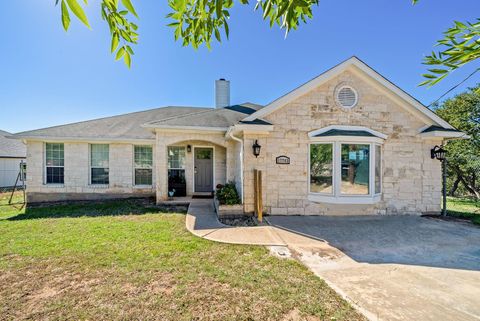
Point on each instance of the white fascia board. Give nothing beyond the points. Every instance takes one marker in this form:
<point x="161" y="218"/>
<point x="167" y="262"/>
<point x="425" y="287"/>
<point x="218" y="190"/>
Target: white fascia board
<point x="444" y="134"/>
<point x="313" y="133"/>
<point x="354" y="61"/>
<point x="85" y="139"/>
<point x="348" y="139"/>
<point x="253" y="128"/>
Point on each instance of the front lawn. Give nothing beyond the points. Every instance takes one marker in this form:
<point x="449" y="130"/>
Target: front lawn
<point x="465" y="208"/>
<point x="124" y="260"/>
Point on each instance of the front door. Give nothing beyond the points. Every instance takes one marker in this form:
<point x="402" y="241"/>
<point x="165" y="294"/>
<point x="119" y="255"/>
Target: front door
<point x="203" y="169"/>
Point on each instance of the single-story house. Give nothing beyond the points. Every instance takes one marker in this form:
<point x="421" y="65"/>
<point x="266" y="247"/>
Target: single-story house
<point x="12" y="152"/>
<point x="346" y="142"/>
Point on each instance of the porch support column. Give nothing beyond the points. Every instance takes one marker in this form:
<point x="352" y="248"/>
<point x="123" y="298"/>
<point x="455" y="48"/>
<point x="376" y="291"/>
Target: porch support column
<point x="230" y="161"/>
<point x="162" y="171"/>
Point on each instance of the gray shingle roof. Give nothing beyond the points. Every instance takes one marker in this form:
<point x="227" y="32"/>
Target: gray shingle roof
<point x="341" y="132"/>
<point x="219" y="117"/>
<point x="439" y="128"/>
<point x="126" y="126"/>
<point x="11" y="147"/>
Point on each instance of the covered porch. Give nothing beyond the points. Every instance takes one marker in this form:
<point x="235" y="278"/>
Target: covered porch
<point x="193" y="164"/>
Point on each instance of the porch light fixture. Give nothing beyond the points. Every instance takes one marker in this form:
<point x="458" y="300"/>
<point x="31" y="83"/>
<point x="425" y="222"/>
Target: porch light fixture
<point x="256" y="148"/>
<point x="189" y="148"/>
<point x="438" y="152"/>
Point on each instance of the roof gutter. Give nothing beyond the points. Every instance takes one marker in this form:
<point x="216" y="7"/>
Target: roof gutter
<point x="230" y="134"/>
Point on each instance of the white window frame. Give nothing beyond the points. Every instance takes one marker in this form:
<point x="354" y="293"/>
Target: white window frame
<point x="135" y="167"/>
<point x="90" y="166"/>
<point x="45" y="167"/>
<point x="337" y="197"/>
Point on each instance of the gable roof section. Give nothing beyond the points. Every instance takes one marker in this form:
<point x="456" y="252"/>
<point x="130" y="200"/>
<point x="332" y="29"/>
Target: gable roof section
<point x="115" y="128"/>
<point x="414" y="105"/>
<point x="11" y="147"/>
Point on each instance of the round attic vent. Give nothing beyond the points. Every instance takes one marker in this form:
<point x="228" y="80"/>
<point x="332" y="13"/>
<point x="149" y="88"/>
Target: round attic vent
<point x="347" y="97"/>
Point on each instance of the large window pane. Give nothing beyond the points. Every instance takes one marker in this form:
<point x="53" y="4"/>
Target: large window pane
<point x="55" y="175"/>
<point x="378" y="169"/>
<point x="143" y="161"/>
<point x="143" y="157"/>
<point x="54" y="162"/>
<point x="143" y="176"/>
<point x="100" y="176"/>
<point x="176" y="157"/>
<point x="99" y="158"/>
<point x="355" y="169"/>
<point x="321" y="168"/>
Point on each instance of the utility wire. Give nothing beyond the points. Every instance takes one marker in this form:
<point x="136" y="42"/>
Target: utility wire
<point x="473" y="73"/>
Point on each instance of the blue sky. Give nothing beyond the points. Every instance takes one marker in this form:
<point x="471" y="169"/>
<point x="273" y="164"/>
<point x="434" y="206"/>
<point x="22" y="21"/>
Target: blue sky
<point x="50" y="77"/>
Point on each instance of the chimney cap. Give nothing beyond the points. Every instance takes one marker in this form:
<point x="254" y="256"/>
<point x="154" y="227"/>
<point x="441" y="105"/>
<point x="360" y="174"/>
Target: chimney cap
<point x="222" y="79"/>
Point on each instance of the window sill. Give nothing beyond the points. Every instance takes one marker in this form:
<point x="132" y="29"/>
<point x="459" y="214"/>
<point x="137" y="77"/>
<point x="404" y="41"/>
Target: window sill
<point x="142" y="186"/>
<point x="99" y="185"/>
<point x="344" y="199"/>
<point x="54" y="185"/>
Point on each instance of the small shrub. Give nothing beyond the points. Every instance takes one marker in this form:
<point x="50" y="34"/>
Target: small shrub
<point x="227" y="194"/>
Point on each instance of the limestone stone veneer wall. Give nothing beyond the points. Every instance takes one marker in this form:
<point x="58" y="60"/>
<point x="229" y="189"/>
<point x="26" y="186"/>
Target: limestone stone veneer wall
<point x="411" y="180"/>
<point x="76" y="185"/>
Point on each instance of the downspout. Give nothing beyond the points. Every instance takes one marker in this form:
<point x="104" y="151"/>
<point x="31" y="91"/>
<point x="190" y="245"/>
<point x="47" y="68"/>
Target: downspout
<point x="230" y="133"/>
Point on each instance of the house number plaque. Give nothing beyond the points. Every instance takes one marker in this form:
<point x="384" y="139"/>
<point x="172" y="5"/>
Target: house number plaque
<point x="283" y="160"/>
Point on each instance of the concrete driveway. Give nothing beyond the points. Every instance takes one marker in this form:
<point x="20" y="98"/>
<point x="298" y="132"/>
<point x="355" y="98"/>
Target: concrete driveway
<point x="393" y="267"/>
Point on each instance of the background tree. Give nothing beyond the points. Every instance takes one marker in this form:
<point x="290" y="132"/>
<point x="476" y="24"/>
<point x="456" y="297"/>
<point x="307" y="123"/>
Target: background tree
<point x="463" y="112"/>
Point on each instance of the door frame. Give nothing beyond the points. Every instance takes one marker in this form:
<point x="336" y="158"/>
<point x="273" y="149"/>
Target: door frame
<point x="213" y="166"/>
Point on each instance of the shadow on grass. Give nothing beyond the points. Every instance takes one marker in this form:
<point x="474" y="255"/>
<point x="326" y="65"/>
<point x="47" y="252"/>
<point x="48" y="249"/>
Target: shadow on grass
<point x="473" y="217"/>
<point x="96" y="209"/>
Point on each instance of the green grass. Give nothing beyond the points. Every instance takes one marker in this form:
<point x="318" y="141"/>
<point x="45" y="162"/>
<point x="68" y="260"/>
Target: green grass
<point x="465" y="208"/>
<point x="124" y="260"/>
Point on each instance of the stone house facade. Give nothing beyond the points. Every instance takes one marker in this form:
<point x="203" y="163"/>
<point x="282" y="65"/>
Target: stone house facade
<point x="349" y="141"/>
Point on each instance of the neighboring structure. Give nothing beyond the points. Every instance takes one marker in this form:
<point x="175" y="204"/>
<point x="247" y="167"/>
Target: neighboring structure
<point x="12" y="152"/>
<point x="346" y="142"/>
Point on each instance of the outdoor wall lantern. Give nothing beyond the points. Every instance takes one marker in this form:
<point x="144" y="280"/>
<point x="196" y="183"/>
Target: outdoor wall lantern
<point x="189" y="148"/>
<point x="438" y="152"/>
<point x="256" y="148"/>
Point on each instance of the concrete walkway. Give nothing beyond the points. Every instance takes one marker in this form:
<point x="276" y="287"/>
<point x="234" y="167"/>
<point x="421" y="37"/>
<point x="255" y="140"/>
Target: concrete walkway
<point x="390" y="268"/>
<point x="202" y="221"/>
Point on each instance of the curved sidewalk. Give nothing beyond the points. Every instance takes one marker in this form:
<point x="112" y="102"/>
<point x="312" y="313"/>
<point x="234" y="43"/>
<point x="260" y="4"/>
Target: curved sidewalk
<point x="202" y="221"/>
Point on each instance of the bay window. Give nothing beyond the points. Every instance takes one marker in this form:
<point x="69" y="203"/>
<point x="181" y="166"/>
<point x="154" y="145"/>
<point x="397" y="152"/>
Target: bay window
<point x="345" y="165"/>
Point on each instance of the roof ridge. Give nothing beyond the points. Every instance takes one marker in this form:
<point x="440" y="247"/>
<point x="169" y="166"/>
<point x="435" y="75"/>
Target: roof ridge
<point x="103" y="118"/>
<point x="181" y="116"/>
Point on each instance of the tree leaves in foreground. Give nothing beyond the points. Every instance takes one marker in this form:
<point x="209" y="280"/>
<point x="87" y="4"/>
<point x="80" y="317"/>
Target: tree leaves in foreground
<point x="460" y="46"/>
<point x="122" y="30"/>
<point x="197" y="22"/>
<point x="463" y="112"/>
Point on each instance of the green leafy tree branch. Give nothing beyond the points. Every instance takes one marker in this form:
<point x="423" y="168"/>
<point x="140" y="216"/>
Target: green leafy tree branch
<point x="199" y="22"/>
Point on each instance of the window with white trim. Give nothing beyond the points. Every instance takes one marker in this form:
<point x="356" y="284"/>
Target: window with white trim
<point x="54" y="163"/>
<point x="343" y="171"/>
<point x="99" y="162"/>
<point x="143" y="162"/>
